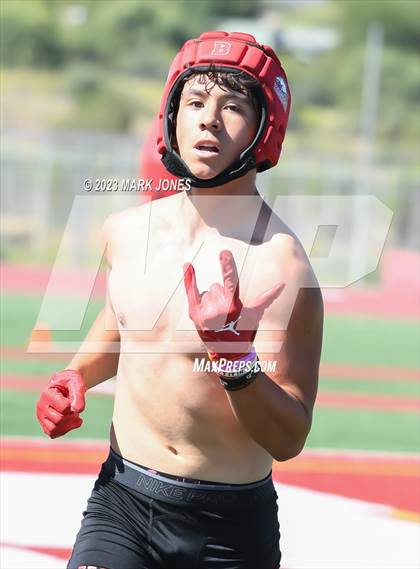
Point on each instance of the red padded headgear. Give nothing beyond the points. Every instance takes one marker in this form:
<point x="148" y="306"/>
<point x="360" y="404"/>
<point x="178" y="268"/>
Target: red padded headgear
<point x="218" y="52"/>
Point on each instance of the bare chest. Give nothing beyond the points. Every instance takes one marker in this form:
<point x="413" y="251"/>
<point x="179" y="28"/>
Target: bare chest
<point x="146" y="281"/>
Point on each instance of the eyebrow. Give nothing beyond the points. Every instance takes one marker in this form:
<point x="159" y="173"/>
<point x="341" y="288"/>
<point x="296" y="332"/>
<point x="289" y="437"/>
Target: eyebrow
<point x="230" y="95"/>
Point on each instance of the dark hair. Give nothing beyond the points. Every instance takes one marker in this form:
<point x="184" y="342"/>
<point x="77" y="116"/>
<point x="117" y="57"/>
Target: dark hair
<point x="232" y="80"/>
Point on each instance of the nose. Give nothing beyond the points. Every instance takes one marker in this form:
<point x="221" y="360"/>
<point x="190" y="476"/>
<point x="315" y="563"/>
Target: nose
<point x="210" y="120"/>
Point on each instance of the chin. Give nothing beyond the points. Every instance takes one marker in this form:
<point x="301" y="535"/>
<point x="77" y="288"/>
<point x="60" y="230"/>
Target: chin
<point x="204" y="172"/>
<point x="204" y="175"/>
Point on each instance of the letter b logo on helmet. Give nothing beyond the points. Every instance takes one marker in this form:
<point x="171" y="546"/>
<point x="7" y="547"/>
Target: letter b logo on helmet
<point x="221" y="48"/>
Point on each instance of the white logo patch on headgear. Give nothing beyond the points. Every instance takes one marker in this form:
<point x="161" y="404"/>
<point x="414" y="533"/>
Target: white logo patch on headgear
<point x="221" y="48"/>
<point x="280" y="88"/>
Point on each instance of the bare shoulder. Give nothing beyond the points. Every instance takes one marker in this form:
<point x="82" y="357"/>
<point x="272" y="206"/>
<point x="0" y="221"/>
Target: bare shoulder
<point x="118" y="227"/>
<point x="286" y="252"/>
<point x="120" y="218"/>
<point x="123" y="221"/>
<point x="291" y="264"/>
<point x="131" y="225"/>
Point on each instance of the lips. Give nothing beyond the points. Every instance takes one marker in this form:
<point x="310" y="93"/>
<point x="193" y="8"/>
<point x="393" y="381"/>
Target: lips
<point x="207" y="147"/>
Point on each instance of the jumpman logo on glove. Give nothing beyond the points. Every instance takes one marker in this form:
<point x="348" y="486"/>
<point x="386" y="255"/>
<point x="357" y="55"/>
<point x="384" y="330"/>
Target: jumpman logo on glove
<point x="216" y="312"/>
<point x="229" y="327"/>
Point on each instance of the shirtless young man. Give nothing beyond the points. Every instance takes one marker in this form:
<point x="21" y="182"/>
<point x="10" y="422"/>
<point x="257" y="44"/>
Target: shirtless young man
<point x="188" y="482"/>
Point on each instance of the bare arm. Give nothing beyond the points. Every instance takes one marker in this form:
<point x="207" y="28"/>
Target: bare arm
<point x="276" y="409"/>
<point x="101" y="364"/>
<point x="97" y="359"/>
<point x="63" y="398"/>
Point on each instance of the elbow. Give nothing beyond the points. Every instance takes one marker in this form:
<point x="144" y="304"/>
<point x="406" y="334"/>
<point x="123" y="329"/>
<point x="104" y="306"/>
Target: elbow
<point x="287" y="452"/>
<point x="292" y="446"/>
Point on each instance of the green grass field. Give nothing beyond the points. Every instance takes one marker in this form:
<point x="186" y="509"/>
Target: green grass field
<point x="347" y="340"/>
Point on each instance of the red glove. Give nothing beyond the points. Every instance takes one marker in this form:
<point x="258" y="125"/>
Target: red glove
<point x="61" y="402"/>
<point x="226" y="327"/>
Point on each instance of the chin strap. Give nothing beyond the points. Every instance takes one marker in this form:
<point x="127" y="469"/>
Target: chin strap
<point x="174" y="164"/>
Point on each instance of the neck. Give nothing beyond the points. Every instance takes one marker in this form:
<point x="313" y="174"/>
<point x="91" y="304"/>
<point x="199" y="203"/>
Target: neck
<point x="223" y="208"/>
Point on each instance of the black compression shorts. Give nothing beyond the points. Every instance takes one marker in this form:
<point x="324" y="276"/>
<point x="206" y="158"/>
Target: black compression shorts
<point x="138" y="518"/>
